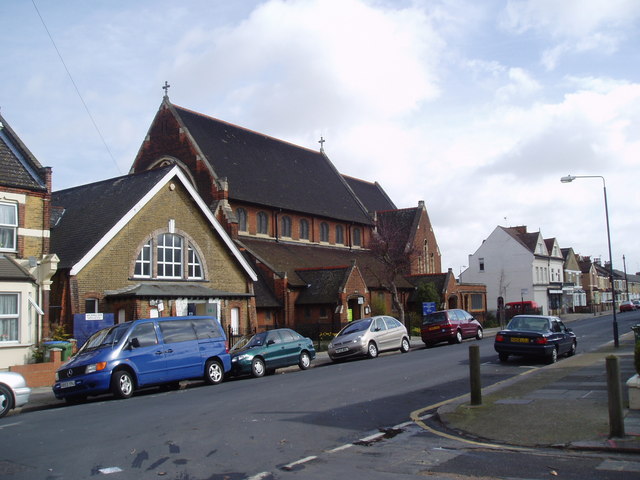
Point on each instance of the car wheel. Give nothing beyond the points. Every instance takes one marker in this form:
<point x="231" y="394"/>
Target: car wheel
<point x="572" y="350"/>
<point x="503" y="357"/>
<point x="305" y="361"/>
<point x="458" y="338"/>
<point x="122" y="384"/>
<point x="257" y="367"/>
<point x="213" y="372"/>
<point x="405" y="346"/>
<point x="372" y="350"/>
<point x="553" y="356"/>
<point x="479" y="334"/>
<point x="6" y="400"/>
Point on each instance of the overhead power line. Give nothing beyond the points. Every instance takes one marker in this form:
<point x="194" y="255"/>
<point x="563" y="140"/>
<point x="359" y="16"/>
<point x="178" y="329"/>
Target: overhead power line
<point x="76" y="88"/>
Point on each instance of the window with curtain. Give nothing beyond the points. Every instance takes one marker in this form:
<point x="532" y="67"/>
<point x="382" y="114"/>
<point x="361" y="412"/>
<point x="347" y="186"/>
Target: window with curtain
<point x="304" y="229"/>
<point x="8" y="226"/>
<point x="9" y="317"/>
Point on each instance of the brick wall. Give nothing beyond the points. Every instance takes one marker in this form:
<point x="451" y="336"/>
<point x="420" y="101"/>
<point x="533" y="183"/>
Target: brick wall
<point x="40" y="374"/>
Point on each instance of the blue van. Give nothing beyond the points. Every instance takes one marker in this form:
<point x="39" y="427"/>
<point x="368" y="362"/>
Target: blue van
<point x="153" y="351"/>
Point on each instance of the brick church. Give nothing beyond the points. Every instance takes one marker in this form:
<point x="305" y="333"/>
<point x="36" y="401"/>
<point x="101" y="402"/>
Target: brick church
<point x="305" y="229"/>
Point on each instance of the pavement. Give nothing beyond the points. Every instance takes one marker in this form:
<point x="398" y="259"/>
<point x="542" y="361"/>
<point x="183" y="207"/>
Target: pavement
<point x="563" y="405"/>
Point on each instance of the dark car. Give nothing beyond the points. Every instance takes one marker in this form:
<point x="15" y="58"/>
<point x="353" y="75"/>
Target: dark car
<point x="449" y="326"/>
<point x="535" y="335"/>
<point x="627" y="306"/>
<point x="264" y="352"/>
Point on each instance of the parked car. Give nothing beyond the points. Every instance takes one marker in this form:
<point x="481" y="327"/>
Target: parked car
<point x="449" y="326"/>
<point x="14" y="392"/>
<point x="264" y="352"/>
<point x="152" y="351"/>
<point x="636" y="303"/>
<point x="535" y="335"/>
<point x="627" y="306"/>
<point x="369" y="336"/>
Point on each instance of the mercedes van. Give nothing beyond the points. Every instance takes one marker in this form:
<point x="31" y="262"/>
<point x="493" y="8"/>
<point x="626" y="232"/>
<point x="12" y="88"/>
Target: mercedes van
<point x="153" y="351"/>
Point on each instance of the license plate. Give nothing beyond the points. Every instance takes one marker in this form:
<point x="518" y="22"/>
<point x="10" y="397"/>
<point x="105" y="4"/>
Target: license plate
<point x="341" y="350"/>
<point x="69" y="384"/>
<point x="519" y="340"/>
<point x="434" y="328"/>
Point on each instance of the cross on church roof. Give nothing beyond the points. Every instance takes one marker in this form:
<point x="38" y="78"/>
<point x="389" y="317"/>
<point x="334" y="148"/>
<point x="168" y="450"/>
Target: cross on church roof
<point x="321" y="142"/>
<point x="166" y="89"/>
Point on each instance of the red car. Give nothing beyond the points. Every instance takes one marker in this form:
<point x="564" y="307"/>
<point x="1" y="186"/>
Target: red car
<point x="449" y="326"/>
<point x="627" y="306"/>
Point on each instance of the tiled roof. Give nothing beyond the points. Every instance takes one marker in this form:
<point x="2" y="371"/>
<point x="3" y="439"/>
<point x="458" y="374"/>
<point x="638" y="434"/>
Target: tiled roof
<point x="401" y="224"/>
<point x="90" y="211"/>
<point x="10" y="270"/>
<point x="324" y="284"/>
<point x="527" y="240"/>
<point x="289" y="258"/>
<point x="373" y="197"/>
<point x="18" y="167"/>
<point x="266" y="171"/>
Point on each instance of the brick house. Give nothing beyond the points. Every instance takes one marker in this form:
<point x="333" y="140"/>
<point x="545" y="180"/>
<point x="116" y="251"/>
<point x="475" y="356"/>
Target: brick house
<point x="146" y="245"/>
<point x="296" y="218"/>
<point x="26" y="264"/>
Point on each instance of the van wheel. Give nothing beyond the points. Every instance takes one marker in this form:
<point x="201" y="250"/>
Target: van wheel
<point x="213" y="372"/>
<point x="122" y="384"/>
<point x="305" y="361"/>
<point x="372" y="350"/>
<point x="405" y="346"/>
<point x="257" y="367"/>
<point x="6" y="400"/>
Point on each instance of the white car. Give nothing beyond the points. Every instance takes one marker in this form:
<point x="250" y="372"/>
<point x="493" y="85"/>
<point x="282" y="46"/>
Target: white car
<point x="13" y="391"/>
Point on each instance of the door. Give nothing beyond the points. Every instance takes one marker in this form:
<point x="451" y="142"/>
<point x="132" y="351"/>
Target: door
<point x="181" y="349"/>
<point x="291" y="346"/>
<point x="147" y="354"/>
<point x="382" y="335"/>
<point x="562" y="336"/>
<point x="235" y="321"/>
<point x="274" y="354"/>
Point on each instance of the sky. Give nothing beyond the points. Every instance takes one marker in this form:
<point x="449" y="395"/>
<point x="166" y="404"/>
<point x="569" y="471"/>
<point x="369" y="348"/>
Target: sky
<point x="476" y="107"/>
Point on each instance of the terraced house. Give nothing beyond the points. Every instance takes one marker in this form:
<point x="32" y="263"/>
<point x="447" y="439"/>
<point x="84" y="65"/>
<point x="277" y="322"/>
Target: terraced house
<point x="305" y="228"/>
<point x="26" y="264"/>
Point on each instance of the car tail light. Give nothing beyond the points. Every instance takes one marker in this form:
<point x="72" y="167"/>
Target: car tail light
<point x="541" y="340"/>
<point x="499" y="338"/>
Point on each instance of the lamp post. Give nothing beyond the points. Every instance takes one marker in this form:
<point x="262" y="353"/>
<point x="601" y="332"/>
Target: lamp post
<point x="569" y="179"/>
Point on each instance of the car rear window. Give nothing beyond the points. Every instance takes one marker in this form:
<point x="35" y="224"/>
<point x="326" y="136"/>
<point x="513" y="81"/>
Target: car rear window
<point x="436" y="317"/>
<point x="207" y="328"/>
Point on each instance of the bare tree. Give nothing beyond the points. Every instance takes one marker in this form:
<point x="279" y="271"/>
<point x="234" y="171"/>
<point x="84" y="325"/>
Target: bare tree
<point x="391" y="246"/>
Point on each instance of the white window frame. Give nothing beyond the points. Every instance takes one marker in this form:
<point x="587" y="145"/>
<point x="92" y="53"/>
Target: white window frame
<point x="170" y="263"/>
<point x="8" y="317"/>
<point x="145" y="258"/>
<point x="194" y="264"/>
<point x="10" y="227"/>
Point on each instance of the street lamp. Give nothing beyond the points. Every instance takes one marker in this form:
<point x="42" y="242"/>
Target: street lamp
<point x="569" y="179"/>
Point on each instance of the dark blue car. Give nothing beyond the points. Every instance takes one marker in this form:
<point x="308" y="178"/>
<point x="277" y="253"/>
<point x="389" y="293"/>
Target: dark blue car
<point x="153" y="351"/>
<point x="537" y="336"/>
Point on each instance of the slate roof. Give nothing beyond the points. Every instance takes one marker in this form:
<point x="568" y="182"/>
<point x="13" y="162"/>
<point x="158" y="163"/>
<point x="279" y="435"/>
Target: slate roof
<point x="325" y="284"/>
<point x="90" y="211"/>
<point x="266" y="171"/>
<point x="18" y="167"/>
<point x="372" y="196"/>
<point x="402" y="223"/>
<point x="11" y="271"/>
<point x="527" y="240"/>
<point x="168" y="290"/>
<point x="290" y="259"/>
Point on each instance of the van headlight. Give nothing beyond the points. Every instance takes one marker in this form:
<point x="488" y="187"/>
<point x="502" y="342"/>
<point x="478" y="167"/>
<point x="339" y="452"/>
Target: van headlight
<point x="95" y="367"/>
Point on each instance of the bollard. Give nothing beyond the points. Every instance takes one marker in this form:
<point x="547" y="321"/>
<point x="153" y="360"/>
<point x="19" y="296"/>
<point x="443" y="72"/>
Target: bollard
<point x="474" y="375"/>
<point x="614" y="389"/>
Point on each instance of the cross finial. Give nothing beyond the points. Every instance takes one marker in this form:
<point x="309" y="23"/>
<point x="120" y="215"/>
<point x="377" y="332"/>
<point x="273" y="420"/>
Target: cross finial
<point x="166" y="89"/>
<point x="321" y="142"/>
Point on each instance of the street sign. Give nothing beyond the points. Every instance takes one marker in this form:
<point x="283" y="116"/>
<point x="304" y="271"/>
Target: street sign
<point x="428" y="307"/>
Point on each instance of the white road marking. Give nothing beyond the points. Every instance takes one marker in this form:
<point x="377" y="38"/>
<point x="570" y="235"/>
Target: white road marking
<point x="289" y="466"/>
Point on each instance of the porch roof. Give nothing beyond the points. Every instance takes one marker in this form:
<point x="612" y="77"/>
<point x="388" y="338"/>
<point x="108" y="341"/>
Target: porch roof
<point x="172" y="290"/>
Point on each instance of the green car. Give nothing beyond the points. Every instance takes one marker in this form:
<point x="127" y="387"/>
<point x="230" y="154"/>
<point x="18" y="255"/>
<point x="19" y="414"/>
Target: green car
<point x="264" y="352"/>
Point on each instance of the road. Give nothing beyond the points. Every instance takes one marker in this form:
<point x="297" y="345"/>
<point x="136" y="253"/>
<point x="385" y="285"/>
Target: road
<point x="302" y="423"/>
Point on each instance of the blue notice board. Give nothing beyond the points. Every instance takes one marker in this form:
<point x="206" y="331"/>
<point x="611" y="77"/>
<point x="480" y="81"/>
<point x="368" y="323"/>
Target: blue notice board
<point x="428" y="307"/>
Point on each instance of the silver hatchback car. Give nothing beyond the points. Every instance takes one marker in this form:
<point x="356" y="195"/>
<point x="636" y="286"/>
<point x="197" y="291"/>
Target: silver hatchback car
<point x="369" y="336"/>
